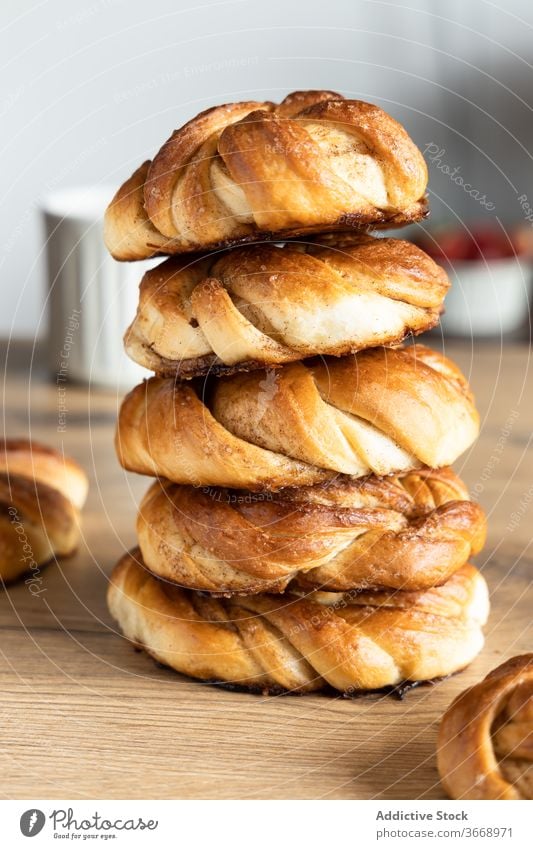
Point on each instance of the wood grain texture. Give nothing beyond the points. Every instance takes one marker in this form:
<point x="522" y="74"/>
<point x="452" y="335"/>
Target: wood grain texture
<point x="84" y="715"/>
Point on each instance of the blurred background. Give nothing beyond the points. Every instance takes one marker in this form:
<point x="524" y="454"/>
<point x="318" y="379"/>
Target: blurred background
<point x="90" y="89"/>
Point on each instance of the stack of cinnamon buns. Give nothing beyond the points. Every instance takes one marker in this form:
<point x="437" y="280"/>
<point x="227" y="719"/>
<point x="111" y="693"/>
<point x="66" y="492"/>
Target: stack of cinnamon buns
<point x="304" y="528"/>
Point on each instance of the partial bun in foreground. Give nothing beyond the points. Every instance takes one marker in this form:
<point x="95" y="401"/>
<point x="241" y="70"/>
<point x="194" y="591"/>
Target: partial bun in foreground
<point x="351" y="642"/>
<point x="264" y="305"/>
<point x="34" y="460"/>
<point x="41" y="493"/>
<point x="259" y="170"/>
<point x="409" y="532"/>
<point x="485" y="745"/>
<point x="381" y="411"/>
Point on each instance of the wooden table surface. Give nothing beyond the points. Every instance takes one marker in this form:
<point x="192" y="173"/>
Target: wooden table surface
<point x="85" y="716"/>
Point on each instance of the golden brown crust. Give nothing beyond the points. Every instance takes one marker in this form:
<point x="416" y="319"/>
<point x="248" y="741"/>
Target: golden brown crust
<point x="410" y="533"/>
<point x="41" y="492"/>
<point x="243" y="171"/>
<point x="380" y="411"/>
<point x="265" y="305"/>
<point x="45" y="464"/>
<point x="187" y="158"/>
<point x="355" y="641"/>
<point x="485" y="745"/>
<point x="128" y="232"/>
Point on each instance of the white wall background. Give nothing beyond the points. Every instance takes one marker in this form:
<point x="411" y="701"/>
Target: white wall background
<point x="89" y="89"/>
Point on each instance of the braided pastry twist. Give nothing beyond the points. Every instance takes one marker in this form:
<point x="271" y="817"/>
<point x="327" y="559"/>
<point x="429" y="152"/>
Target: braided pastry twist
<point x="379" y="411"/>
<point x="485" y="747"/>
<point x="41" y="493"/>
<point x="356" y="641"/>
<point x="315" y="162"/>
<point x="409" y="533"/>
<point x="263" y="305"/>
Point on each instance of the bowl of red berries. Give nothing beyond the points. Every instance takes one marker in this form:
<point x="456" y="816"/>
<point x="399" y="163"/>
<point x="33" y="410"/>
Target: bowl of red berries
<point x="490" y="272"/>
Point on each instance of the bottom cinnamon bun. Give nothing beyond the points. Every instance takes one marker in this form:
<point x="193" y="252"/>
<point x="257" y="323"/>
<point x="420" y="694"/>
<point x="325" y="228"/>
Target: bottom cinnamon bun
<point x="350" y="641"/>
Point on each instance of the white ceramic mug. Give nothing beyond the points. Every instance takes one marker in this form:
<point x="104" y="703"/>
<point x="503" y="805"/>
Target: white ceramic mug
<point x="91" y="298"/>
<point x="487" y="298"/>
